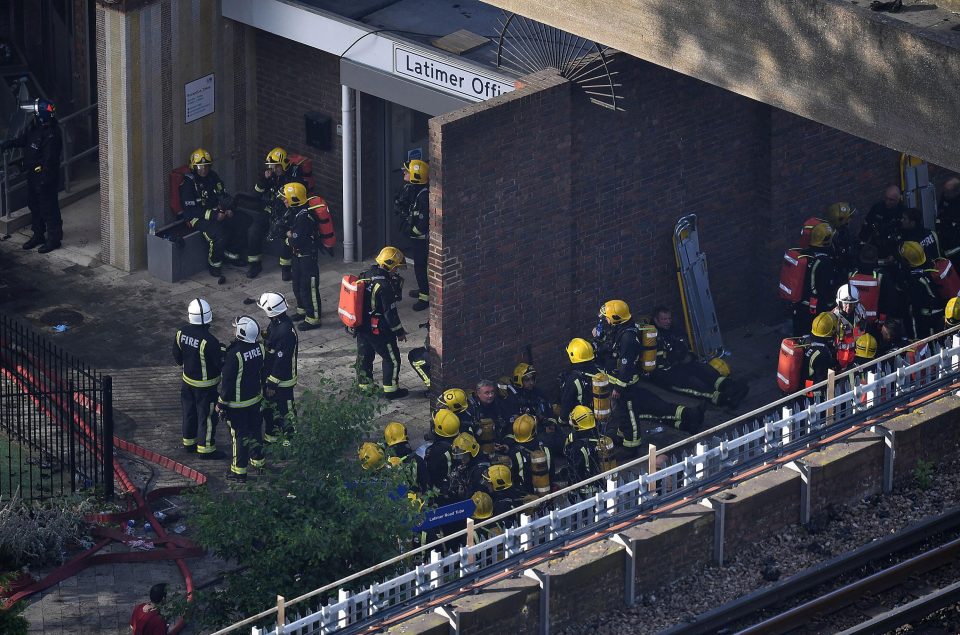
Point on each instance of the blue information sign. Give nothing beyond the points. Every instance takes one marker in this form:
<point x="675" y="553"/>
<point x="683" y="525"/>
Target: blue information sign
<point x="447" y="514"/>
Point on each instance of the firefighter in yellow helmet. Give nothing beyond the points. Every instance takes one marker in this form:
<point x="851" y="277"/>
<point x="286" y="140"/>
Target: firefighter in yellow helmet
<point x="401" y="456"/>
<point x="371" y="455"/>
<point x="951" y="315"/>
<point x="470" y="464"/>
<point x="616" y="340"/>
<point x="844" y="242"/>
<point x="925" y="308"/>
<point x="272" y="222"/>
<point x="483" y="509"/>
<point x="523" y="397"/>
<point x="453" y="399"/>
<point x="821" y="278"/>
<point x="820" y="355"/>
<point x="304" y="243"/>
<point x="412" y="205"/>
<point x="439" y="454"/>
<point x="865" y="349"/>
<point x="533" y="465"/>
<point x="381" y="328"/>
<point x="679" y="370"/>
<point x="499" y="482"/>
<point x="581" y="446"/>
<point x="208" y="208"/>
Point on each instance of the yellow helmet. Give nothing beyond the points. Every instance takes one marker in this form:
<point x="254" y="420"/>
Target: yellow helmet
<point x="824" y="325"/>
<point x="615" y="311"/>
<point x="838" y="214"/>
<point x="521" y="371"/>
<point x="821" y="235"/>
<point x="465" y="443"/>
<point x="581" y="418"/>
<point x="579" y="350"/>
<point x="419" y="171"/>
<point x="499" y="477"/>
<point x="372" y="456"/>
<point x="295" y="193"/>
<point x="483" y="505"/>
<point x="277" y="156"/>
<point x="720" y="366"/>
<point x="952" y="312"/>
<point x="866" y="346"/>
<point x="913" y="253"/>
<point x="446" y="424"/>
<point x="394" y="433"/>
<point x="503" y="383"/>
<point x="453" y="399"/>
<point x="524" y="427"/>
<point x="390" y="258"/>
<point x="200" y="157"/>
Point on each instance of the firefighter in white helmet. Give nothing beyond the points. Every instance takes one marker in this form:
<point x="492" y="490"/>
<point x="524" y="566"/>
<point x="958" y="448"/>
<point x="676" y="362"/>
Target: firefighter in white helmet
<point x="200" y="354"/>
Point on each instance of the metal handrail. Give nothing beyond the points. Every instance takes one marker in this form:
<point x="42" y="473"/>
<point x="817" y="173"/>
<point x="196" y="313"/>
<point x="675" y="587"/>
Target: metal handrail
<point x="67" y="160"/>
<point x="690" y="466"/>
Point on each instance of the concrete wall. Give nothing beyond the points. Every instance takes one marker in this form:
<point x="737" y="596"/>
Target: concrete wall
<point x="545" y="205"/>
<point x="145" y="56"/>
<point x="590" y="580"/>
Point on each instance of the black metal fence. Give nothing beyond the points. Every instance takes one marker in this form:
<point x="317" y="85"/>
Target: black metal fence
<point x="56" y="419"/>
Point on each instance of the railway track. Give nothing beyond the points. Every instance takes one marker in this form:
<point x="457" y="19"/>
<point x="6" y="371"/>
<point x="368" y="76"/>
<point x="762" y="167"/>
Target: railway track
<point x="898" y="580"/>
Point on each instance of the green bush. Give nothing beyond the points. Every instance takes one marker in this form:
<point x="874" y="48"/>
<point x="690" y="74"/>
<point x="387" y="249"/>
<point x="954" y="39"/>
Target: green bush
<point x="40" y="533"/>
<point x="11" y="620"/>
<point x="312" y="518"/>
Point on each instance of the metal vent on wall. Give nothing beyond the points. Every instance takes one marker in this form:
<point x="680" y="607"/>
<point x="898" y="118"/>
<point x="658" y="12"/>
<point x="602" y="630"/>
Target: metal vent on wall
<point x="527" y="46"/>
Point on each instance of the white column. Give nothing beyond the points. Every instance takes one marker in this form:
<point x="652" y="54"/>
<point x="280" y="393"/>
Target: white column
<point x="346" y="137"/>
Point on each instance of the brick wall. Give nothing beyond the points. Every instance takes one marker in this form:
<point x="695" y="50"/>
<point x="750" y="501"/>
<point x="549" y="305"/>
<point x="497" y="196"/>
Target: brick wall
<point x="293" y="79"/>
<point x="576" y="204"/>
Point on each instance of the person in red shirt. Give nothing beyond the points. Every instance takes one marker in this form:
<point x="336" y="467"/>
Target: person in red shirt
<point x="146" y="618"/>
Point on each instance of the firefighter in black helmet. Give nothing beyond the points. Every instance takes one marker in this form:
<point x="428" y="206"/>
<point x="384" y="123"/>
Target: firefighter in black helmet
<point x="617" y="341"/>
<point x="412" y="204"/>
<point x="379" y="334"/>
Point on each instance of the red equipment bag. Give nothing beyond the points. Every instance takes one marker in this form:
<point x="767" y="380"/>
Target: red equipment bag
<point x="948" y="282"/>
<point x="793" y="274"/>
<point x="175" y="181"/>
<point x="328" y="237"/>
<point x="790" y="364"/>
<point x="808" y="226"/>
<point x="304" y="163"/>
<point x="350" y="308"/>
<point x="869" y="288"/>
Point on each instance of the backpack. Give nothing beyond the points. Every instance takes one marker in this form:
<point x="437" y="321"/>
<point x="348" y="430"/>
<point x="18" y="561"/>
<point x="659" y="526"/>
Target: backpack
<point x="948" y="282"/>
<point x="350" y="307"/>
<point x="790" y="364"/>
<point x="303" y="170"/>
<point x="868" y="286"/>
<point x="793" y="275"/>
<point x="325" y="231"/>
<point x="808" y="226"/>
<point x="175" y="181"/>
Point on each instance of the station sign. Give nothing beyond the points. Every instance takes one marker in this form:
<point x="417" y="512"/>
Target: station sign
<point x="442" y="75"/>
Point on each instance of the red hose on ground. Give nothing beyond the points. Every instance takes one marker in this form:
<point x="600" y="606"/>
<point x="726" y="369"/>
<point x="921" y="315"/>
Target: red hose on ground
<point x="174" y="547"/>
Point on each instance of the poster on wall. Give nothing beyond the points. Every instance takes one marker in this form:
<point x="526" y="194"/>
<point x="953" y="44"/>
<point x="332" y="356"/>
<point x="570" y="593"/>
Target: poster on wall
<point x="198" y="96"/>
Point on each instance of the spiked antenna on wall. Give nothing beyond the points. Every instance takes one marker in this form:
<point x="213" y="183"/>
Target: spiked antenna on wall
<point x="527" y="46"/>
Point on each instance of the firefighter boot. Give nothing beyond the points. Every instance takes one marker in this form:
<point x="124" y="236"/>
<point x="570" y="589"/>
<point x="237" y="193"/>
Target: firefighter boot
<point x="286" y="273"/>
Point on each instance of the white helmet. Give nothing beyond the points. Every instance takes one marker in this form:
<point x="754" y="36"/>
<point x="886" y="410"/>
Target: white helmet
<point x="199" y="311"/>
<point x="273" y="303"/>
<point x="247" y="329"/>
<point x="848" y="294"/>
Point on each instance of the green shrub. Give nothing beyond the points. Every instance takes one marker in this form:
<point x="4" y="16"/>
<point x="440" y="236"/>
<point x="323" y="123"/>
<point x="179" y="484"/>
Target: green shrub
<point x="39" y="533"/>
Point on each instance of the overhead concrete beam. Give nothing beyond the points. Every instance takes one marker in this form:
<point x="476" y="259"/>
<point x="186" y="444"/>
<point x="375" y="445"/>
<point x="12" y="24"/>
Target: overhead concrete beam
<point x="888" y="78"/>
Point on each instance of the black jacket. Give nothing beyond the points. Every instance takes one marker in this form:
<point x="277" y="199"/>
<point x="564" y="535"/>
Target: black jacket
<point x="413" y="205"/>
<point x="672" y="349"/>
<point x="201" y="196"/>
<point x="881" y="228"/>
<point x="42" y="146"/>
<point x="948" y="226"/>
<point x="201" y="355"/>
<point x="380" y="301"/>
<point x="576" y="388"/>
<point x="282" y="345"/>
<point x="304" y="239"/>
<point x="618" y="352"/>
<point x="242" y="370"/>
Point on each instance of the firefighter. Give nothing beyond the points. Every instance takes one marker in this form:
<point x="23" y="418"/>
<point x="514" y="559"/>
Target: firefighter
<point x="207" y="207"/>
<point x="453" y="399"/>
<point x="865" y="350"/>
<point x="280" y="367"/>
<point x="851" y="323"/>
<point x="679" y="370"/>
<point x="948" y="219"/>
<point x="42" y="144"/>
<point x="412" y="204"/>
<point x="486" y="408"/>
<point x="483" y="509"/>
<point x="200" y="354"/>
<point x="911" y="228"/>
<point x="402" y="456"/>
<point x="439" y="455"/>
<point x="882" y="224"/>
<point x="820" y="354"/>
<point x="820" y="279"/>
<point x="499" y="482"/>
<point x="278" y="172"/>
<point x="532" y="462"/>
<point x="845" y="244"/>
<point x="581" y="446"/>
<point x="371" y="456"/>
<point x="876" y="286"/>
<point x="892" y="337"/>
<point x="951" y="314"/>
<point x="304" y="242"/>
<point x="380" y="332"/>
<point x="523" y="397"/>
<point x="469" y="465"/>
<point x="926" y="307"/>
<point x="617" y="342"/>
<point x="240" y="395"/>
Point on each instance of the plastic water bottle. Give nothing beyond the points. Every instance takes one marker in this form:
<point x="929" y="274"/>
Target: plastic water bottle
<point x="131" y="526"/>
<point x="152" y="227"/>
<point x="147" y="529"/>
